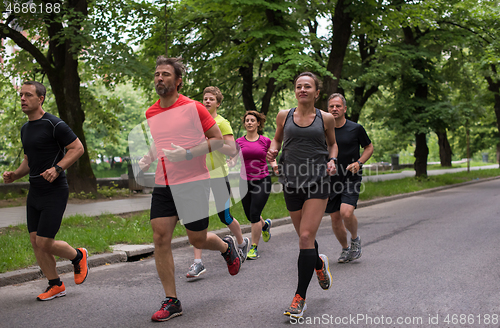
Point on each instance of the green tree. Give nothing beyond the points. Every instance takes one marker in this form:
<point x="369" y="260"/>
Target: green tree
<point x="115" y="113"/>
<point x="250" y="49"/>
<point x="479" y="26"/>
<point x="54" y="41"/>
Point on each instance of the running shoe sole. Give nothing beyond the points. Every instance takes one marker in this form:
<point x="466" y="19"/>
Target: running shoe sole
<point x="61" y="294"/>
<point x="241" y="251"/>
<point x="85" y="263"/>
<point x="327" y="265"/>
<point x="166" y="319"/>
<point x="298" y="315"/>
<point x="196" y="276"/>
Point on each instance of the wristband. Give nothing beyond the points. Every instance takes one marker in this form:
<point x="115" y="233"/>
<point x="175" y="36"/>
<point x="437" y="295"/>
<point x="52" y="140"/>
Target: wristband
<point x="58" y="169"/>
<point x="333" y="158"/>
<point x="189" y="156"/>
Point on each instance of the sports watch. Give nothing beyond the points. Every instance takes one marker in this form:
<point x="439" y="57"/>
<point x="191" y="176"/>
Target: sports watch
<point x="189" y="155"/>
<point x="360" y="164"/>
<point x="58" y="169"/>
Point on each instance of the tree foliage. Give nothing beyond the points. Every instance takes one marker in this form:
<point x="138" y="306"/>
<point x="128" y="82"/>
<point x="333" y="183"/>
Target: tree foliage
<point x="416" y="66"/>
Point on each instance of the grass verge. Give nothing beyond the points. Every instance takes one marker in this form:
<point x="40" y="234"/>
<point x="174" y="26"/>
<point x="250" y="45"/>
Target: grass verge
<point x="98" y="233"/>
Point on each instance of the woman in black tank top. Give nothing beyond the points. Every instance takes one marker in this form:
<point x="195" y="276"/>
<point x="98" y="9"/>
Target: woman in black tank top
<point x="308" y="156"/>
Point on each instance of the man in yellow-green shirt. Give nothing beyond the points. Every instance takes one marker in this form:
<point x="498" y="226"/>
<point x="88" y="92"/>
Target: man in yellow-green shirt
<point x="219" y="183"/>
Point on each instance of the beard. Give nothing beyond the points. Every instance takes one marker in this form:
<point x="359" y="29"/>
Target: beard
<point x="164" y="89"/>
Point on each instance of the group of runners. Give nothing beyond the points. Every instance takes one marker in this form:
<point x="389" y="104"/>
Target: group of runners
<point x="320" y="168"/>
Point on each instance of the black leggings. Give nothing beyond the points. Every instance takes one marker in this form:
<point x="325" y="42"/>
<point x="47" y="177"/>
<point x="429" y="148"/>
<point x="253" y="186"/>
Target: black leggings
<point x="255" y="195"/>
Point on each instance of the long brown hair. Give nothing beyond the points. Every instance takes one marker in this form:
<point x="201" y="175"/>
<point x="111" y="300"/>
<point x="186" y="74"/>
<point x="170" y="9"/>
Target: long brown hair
<point x="261" y="118"/>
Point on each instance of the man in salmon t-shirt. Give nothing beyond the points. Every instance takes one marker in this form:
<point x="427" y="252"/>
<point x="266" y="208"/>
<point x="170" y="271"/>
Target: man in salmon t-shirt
<point x="183" y="132"/>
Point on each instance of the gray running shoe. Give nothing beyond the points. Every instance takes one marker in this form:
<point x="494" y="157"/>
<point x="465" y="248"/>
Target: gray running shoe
<point x="244" y="250"/>
<point x="355" y="252"/>
<point x="196" y="270"/>
<point x="345" y="255"/>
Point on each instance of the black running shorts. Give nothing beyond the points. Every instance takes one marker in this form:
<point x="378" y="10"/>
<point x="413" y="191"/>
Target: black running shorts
<point x="188" y="201"/>
<point x="296" y="197"/>
<point x="45" y="209"/>
<point x="344" y="190"/>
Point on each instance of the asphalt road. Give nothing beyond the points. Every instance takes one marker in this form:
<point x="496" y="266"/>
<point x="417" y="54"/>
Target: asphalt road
<point x="427" y="259"/>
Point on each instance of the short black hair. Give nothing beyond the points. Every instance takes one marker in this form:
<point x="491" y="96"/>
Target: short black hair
<point x="40" y="89"/>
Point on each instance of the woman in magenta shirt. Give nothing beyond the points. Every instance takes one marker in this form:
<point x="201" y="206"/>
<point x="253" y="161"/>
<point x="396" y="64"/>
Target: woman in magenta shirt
<point x="255" y="182"/>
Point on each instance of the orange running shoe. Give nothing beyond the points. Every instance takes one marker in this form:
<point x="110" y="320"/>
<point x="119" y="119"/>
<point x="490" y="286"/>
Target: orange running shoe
<point x="323" y="274"/>
<point x="81" y="268"/>
<point x="52" y="292"/>
<point x="297" y="308"/>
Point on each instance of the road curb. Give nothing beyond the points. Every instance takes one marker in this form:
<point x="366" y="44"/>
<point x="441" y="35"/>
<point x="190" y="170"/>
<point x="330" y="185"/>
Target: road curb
<point x="34" y="272"/>
<point x="124" y="253"/>
<point x="420" y="192"/>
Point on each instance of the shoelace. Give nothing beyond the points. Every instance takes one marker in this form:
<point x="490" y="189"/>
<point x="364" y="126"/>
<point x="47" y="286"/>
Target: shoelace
<point x="296" y="302"/>
<point x="48" y="288"/>
<point x="227" y="257"/>
<point x="166" y="303"/>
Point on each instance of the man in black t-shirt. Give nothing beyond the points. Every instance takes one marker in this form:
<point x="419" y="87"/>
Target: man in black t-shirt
<point x="44" y="139"/>
<point x="346" y="184"/>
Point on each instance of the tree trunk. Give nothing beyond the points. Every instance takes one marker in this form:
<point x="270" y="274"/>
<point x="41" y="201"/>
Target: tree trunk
<point x="421" y="154"/>
<point x="494" y="86"/>
<point x="270" y="88"/>
<point x="340" y="41"/>
<point x="274" y="18"/>
<point x="445" y="152"/>
<point x="246" y="73"/>
<point x="498" y="153"/>
<point x="60" y="64"/>
<point x="361" y="96"/>
<point x="362" y="92"/>
<point x="80" y="175"/>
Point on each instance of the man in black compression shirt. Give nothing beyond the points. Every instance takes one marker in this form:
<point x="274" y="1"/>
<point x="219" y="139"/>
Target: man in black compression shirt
<point x="346" y="184"/>
<point x="44" y="139"/>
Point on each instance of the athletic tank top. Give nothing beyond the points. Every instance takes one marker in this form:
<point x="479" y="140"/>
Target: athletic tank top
<point x="305" y="152"/>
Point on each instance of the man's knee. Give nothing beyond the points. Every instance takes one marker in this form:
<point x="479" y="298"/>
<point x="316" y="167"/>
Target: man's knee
<point x="336" y="218"/>
<point x="45" y="244"/>
<point x="198" y="238"/>
<point x="163" y="229"/>
<point x="347" y="212"/>
<point x="33" y="239"/>
<point x="162" y="238"/>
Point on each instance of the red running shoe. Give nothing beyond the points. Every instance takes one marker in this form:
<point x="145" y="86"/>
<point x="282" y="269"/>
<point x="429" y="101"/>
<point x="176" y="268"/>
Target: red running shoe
<point x="169" y="309"/>
<point x="231" y="256"/>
